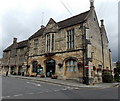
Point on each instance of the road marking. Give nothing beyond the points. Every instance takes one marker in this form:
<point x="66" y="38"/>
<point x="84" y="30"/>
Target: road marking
<point x="5" y="96"/>
<point x="64" y="89"/>
<point x="30" y="93"/>
<point x="17" y="95"/>
<point x="40" y="92"/>
<point x="34" y="84"/>
<point x="56" y="90"/>
<point x="47" y="91"/>
<point x="76" y="88"/>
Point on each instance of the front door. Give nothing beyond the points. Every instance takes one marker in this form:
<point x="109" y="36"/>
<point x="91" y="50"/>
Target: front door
<point x="50" y="68"/>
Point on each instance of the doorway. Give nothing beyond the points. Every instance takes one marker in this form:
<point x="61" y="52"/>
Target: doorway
<point x="50" y="67"/>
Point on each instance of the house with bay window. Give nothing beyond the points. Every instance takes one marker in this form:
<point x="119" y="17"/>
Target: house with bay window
<point x="74" y="48"/>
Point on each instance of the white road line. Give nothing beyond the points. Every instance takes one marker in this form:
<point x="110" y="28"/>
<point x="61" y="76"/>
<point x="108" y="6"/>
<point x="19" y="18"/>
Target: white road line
<point x="47" y="91"/>
<point x="56" y="90"/>
<point x="30" y="93"/>
<point x="5" y="96"/>
<point x="64" y="89"/>
<point x="76" y="88"/>
<point x="17" y="95"/>
<point x="34" y="84"/>
<point x="40" y="92"/>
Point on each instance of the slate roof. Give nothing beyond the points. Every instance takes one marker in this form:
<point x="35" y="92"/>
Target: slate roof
<point x="73" y="20"/>
<point x="22" y="44"/>
<point x="38" y="33"/>
<point x="19" y="45"/>
<point x="80" y="18"/>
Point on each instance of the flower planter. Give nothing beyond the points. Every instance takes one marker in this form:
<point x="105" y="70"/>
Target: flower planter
<point x="99" y="69"/>
<point x="42" y="75"/>
<point x="94" y="68"/>
<point x="54" y="76"/>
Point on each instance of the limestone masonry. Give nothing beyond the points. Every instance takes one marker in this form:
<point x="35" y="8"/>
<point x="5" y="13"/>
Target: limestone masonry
<point x="75" y="48"/>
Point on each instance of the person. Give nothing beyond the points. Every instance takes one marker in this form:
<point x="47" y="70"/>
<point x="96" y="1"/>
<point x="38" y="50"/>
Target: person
<point x="7" y="73"/>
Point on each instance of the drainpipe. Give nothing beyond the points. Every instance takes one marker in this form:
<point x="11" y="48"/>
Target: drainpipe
<point x="85" y="56"/>
<point x="110" y="59"/>
<point x="102" y="25"/>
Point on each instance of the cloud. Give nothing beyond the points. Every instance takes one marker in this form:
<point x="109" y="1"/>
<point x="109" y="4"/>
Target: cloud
<point x="21" y="19"/>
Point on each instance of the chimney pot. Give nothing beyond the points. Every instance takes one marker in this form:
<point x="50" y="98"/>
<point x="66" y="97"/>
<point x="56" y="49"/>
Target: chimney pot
<point x="102" y="22"/>
<point x="42" y="26"/>
<point x="91" y="3"/>
<point x="14" y="40"/>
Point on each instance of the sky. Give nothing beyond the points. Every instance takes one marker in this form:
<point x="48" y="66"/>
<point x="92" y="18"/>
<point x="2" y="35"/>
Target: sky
<point x="22" y="18"/>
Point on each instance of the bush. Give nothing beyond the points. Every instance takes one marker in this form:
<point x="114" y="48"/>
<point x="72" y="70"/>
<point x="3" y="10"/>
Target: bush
<point x="107" y="77"/>
<point x="117" y="77"/>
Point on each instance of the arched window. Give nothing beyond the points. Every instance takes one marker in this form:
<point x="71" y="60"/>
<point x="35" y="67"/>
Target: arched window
<point x="71" y="65"/>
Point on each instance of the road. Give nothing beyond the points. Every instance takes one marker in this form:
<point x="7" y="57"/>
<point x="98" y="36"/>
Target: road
<point x="15" y="88"/>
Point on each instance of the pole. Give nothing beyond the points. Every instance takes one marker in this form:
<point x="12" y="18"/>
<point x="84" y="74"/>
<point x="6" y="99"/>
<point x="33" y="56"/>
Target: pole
<point x="86" y="57"/>
<point x="83" y="40"/>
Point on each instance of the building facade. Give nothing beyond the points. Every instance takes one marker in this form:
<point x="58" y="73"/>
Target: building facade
<point x="75" y="48"/>
<point x="15" y="57"/>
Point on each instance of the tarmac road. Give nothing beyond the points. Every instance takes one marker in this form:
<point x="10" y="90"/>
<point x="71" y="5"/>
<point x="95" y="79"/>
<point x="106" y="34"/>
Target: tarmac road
<point x="15" y="88"/>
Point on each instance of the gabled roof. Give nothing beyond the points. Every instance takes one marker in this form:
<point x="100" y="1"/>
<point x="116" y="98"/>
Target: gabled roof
<point x="38" y="33"/>
<point x="19" y="45"/>
<point x="80" y="18"/>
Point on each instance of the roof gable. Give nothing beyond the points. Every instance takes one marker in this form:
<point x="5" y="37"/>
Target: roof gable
<point x="51" y="27"/>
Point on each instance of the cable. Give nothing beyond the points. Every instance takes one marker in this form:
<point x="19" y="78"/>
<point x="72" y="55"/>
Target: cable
<point x="70" y="6"/>
<point x="65" y="7"/>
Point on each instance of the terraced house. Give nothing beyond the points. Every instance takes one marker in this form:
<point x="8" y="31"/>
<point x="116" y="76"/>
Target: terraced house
<point x="75" y="48"/>
<point x="15" y="57"/>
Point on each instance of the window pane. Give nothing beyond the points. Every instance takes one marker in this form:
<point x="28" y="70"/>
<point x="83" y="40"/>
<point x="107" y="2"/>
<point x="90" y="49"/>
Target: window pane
<point x="71" y="62"/>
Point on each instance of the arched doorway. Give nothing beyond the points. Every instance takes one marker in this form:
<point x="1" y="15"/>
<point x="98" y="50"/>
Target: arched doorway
<point x="50" y="67"/>
<point x="34" y="66"/>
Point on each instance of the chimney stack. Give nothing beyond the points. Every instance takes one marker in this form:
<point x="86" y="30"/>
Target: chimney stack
<point x="14" y="40"/>
<point x="102" y="22"/>
<point x="42" y="26"/>
<point x="91" y="3"/>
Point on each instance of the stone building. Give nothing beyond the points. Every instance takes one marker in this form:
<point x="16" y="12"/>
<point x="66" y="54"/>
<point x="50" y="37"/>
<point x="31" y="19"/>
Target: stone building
<point x="75" y="48"/>
<point x="15" y="57"/>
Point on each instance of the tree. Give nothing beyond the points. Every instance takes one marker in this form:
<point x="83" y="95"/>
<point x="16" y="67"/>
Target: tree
<point x="117" y="72"/>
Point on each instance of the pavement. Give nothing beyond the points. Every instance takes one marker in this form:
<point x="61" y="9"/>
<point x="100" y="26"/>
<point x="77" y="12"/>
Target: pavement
<point x="69" y="83"/>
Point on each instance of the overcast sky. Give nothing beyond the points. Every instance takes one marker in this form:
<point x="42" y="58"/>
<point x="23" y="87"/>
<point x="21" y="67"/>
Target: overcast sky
<point x="21" y="18"/>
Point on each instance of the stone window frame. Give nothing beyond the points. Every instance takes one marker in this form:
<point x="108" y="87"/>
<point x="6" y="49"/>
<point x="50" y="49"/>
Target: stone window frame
<point x="50" y="42"/>
<point x="71" y="65"/>
<point x="70" y="38"/>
